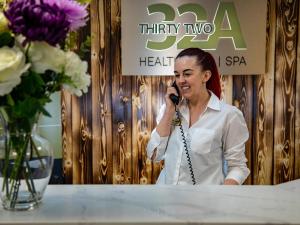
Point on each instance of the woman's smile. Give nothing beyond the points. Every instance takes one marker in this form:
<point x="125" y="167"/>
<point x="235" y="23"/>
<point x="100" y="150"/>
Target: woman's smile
<point x="184" y="89"/>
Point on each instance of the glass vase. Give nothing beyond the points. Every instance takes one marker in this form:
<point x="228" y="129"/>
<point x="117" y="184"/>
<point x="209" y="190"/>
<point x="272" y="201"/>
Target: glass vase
<point x="26" y="161"/>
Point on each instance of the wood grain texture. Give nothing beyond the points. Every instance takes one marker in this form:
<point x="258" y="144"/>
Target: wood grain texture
<point x="122" y="103"/>
<point x="101" y="92"/>
<point x="297" y="114"/>
<point x="285" y="77"/>
<point x="159" y="86"/>
<point x="243" y="99"/>
<point x="77" y="166"/>
<point x="264" y="101"/>
<point x="141" y="123"/>
<point x="85" y="124"/>
<point x="67" y="144"/>
<point x="76" y="121"/>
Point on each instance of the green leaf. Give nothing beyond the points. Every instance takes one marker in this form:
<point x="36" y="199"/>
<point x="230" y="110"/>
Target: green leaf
<point x="45" y="112"/>
<point x="32" y="84"/>
<point x="85" y="47"/>
<point x="10" y="100"/>
<point x="26" y="108"/>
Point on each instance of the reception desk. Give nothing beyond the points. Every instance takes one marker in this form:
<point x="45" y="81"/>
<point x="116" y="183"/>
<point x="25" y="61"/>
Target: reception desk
<point x="153" y="204"/>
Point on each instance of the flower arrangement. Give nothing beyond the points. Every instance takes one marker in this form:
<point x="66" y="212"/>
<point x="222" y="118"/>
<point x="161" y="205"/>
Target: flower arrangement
<point x="33" y="65"/>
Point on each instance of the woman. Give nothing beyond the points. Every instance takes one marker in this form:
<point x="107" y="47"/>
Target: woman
<point x="214" y="132"/>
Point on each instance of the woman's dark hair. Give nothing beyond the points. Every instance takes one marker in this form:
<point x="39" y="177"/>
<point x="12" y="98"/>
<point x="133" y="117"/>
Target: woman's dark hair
<point x="207" y="62"/>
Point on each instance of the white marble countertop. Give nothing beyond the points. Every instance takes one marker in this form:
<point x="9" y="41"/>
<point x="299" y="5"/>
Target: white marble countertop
<point x="157" y="204"/>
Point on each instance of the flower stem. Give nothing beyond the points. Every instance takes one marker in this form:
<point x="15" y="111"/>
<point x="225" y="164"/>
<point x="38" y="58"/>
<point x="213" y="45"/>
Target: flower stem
<point x="15" y="178"/>
<point x="37" y="153"/>
<point x="15" y="189"/>
<point x="29" y="176"/>
<point x="6" y="164"/>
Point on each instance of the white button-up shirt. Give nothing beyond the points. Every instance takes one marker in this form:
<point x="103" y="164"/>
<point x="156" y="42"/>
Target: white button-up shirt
<point x="218" y="136"/>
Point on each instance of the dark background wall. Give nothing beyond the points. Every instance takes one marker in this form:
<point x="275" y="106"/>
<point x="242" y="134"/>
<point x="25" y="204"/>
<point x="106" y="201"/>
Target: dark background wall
<point x="106" y="131"/>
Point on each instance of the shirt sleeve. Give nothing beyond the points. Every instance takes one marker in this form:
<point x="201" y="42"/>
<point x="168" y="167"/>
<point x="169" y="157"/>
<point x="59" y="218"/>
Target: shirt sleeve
<point x="236" y="135"/>
<point x="157" y="142"/>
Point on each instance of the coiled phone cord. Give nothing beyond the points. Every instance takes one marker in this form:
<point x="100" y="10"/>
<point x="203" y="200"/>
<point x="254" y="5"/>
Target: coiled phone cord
<point x="186" y="148"/>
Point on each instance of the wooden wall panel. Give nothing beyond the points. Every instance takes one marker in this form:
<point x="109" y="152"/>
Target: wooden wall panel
<point x="297" y="119"/>
<point x="159" y="86"/>
<point x="285" y="77"/>
<point x="71" y="138"/>
<point x="66" y="120"/>
<point x="122" y="104"/>
<point x="262" y="155"/>
<point x="243" y="98"/>
<point x="141" y="123"/>
<point x="76" y="153"/>
<point x="76" y="138"/>
<point x="101" y="92"/>
<point x="85" y="127"/>
<point x="79" y="149"/>
<point x="106" y="132"/>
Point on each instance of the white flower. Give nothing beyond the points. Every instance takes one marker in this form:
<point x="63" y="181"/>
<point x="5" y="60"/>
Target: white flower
<point x="12" y="65"/>
<point x="77" y="71"/>
<point x="46" y="57"/>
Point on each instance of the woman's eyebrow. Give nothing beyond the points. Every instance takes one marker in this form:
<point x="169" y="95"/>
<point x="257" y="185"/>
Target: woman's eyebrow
<point x="187" y="70"/>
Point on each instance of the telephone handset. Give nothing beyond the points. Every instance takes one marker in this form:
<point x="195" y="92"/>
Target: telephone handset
<point x="175" y="99"/>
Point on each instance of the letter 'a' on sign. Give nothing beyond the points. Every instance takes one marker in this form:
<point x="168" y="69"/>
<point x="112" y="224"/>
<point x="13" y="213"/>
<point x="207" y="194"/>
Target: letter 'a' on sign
<point x="227" y="9"/>
<point x="153" y="32"/>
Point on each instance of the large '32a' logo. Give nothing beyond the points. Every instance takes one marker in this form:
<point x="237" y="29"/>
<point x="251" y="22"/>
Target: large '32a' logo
<point x="214" y="30"/>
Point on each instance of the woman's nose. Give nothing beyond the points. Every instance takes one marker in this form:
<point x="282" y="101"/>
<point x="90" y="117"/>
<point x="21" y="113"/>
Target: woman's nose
<point x="181" y="79"/>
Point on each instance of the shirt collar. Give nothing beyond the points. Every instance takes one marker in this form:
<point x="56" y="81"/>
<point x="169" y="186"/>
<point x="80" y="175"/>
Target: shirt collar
<point x="214" y="102"/>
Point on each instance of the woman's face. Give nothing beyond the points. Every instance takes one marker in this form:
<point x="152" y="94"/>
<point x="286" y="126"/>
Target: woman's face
<point x="189" y="77"/>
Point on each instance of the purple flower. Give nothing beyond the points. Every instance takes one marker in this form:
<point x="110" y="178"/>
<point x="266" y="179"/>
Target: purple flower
<point x="76" y="13"/>
<point x="38" y="21"/>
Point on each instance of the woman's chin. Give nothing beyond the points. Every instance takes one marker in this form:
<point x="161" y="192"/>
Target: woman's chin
<point x="186" y="96"/>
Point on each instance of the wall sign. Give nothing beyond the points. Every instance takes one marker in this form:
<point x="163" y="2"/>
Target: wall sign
<point x="154" y="32"/>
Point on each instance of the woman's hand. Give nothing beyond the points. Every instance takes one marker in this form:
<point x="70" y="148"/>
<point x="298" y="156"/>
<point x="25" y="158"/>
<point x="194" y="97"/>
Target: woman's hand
<point x="170" y="107"/>
<point x="230" y="182"/>
<point x="164" y="126"/>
